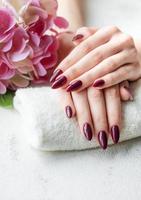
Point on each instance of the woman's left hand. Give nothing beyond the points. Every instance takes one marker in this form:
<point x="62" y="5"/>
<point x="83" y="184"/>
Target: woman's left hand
<point x="105" y="58"/>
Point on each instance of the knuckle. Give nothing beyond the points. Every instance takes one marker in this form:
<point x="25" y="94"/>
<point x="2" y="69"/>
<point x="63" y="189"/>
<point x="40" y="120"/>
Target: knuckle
<point x="67" y="61"/>
<point x="110" y="79"/>
<point x="73" y="72"/>
<point x="127" y="71"/>
<point x="87" y="47"/>
<point x="90" y="91"/>
<point x="134" y="53"/>
<point x="135" y="71"/>
<point x="127" y="40"/>
<point x="83" y="28"/>
<point x="113" y="92"/>
<point x="80" y="113"/>
<point x="114" y="29"/>
<point x="97" y="93"/>
<point x="112" y="63"/>
<point x="99" y="56"/>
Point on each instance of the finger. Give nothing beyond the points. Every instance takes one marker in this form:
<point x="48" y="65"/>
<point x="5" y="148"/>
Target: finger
<point x="102" y="36"/>
<point x="105" y="67"/>
<point x="126" y="72"/>
<point x="100" y="58"/>
<point x="98" y="111"/>
<point x="125" y="91"/>
<point x="113" y="106"/>
<point x="83" y="113"/>
<point x="67" y="103"/>
<point x="82" y="34"/>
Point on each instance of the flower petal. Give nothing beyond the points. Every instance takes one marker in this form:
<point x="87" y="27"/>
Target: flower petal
<point x="7" y="21"/>
<point x="20" y="81"/>
<point x="7" y="46"/>
<point x="41" y="70"/>
<point x="15" y="57"/>
<point x="49" y="62"/>
<point x="61" y="22"/>
<point x="39" y="27"/>
<point x="31" y="14"/>
<point x="3" y="69"/>
<point x="20" y="39"/>
<point x="34" y="38"/>
<point x="5" y="72"/>
<point x="6" y="37"/>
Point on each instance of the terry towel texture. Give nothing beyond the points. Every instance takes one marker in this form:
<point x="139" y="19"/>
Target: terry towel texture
<point x="48" y="128"/>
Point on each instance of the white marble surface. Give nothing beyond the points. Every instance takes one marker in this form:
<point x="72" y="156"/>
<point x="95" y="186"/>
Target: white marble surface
<point x="26" y="174"/>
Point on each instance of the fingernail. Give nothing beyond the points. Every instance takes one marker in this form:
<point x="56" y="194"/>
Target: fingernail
<point x="98" y="83"/>
<point x="77" y="37"/>
<point x="59" y="82"/>
<point x="56" y="73"/>
<point x="87" y="131"/>
<point x="130" y="94"/>
<point x="102" y="138"/>
<point x="115" y="133"/>
<point x="68" y="111"/>
<point x="74" y="86"/>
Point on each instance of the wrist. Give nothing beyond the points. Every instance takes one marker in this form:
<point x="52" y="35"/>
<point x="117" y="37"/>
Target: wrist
<point x="71" y="10"/>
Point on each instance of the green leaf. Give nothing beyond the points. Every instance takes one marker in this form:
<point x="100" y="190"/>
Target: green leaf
<point x="6" y="100"/>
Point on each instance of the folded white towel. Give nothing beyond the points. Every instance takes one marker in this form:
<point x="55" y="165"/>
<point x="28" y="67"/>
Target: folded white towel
<point x="49" y="129"/>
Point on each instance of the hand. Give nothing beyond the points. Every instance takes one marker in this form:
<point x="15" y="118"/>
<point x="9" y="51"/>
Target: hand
<point x="76" y="102"/>
<point x="103" y="59"/>
<point x="98" y="111"/>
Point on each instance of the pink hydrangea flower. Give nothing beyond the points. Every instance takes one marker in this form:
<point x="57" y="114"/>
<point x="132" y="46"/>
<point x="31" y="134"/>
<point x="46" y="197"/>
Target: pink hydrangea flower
<point x="28" y="49"/>
<point x="5" y="75"/>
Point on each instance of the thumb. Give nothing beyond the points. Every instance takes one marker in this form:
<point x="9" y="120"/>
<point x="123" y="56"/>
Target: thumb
<point x="125" y="91"/>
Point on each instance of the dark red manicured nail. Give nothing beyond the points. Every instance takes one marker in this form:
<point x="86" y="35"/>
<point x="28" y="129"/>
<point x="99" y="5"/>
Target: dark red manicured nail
<point x="68" y="111"/>
<point x="59" y="82"/>
<point x="56" y="73"/>
<point x="74" y="86"/>
<point x="115" y="133"/>
<point x="99" y="83"/>
<point x="87" y="131"/>
<point x="77" y="37"/>
<point x="102" y="138"/>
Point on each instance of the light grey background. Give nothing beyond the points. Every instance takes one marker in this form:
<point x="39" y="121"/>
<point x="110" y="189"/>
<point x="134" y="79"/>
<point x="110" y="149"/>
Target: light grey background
<point x="26" y="174"/>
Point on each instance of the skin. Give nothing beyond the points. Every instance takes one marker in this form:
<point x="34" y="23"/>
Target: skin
<point x="108" y="55"/>
<point x="90" y="105"/>
<point x="96" y="107"/>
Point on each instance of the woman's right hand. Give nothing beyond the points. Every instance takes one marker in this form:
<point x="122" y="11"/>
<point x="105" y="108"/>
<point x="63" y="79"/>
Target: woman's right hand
<point x="98" y="111"/>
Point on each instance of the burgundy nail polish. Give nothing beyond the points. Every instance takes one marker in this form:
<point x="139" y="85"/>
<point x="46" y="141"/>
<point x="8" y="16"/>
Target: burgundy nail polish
<point x="68" y="111"/>
<point x="74" y="86"/>
<point x="87" y="131"/>
<point x="115" y="133"/>
<point x="98" y="83"/>
<point x="77" y="37"/>
<point x="59" y="82"/>
<point x="56" y="73"/>
<point x="102" y="138"/>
